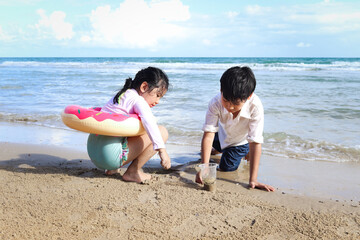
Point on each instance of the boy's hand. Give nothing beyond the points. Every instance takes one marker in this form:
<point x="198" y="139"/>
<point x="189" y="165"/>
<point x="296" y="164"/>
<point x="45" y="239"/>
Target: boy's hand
<point x="198" y="178"/>
<point x="165" y="159"/>
<point x="256" y="184"/>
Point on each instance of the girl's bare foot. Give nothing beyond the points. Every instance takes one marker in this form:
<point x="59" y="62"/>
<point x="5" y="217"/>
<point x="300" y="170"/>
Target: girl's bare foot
<point x="112" y="172"/>
<point x="138" y="176"/>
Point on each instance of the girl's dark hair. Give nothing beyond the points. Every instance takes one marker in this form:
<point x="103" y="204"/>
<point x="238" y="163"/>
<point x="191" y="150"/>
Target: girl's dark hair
<point x="237" y="83"/>
<point x="154" y="77"/>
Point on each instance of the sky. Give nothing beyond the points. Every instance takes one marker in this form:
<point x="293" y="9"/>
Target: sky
<point x="179" y="28"/>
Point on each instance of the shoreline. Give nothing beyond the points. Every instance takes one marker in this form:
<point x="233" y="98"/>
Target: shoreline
<point x="327" y="180"/>
<point x="50" y="192"/>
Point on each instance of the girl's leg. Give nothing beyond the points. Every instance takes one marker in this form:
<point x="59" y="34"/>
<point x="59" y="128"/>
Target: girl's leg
<point x="140" y="151"/>
<point x="139" y="146"/>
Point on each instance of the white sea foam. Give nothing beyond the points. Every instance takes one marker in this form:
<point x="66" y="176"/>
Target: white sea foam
<point x="287" y="145"/>
<point x="132" y="66"/>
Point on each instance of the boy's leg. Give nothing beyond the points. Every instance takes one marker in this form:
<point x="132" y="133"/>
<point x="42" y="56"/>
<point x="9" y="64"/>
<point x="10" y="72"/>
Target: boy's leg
<point x="231" y="157"/>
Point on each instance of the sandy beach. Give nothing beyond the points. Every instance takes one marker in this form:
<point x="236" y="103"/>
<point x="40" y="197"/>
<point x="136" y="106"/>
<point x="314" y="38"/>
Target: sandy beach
<point x="50" y="192"/>
<point x="304" y="56"/>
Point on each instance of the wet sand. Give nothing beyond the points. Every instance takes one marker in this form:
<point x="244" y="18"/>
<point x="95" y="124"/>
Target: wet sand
<point x="56" y="193"/>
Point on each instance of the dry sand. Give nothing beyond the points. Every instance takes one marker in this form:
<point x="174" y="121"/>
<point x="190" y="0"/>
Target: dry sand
<point x="55" y="193"/>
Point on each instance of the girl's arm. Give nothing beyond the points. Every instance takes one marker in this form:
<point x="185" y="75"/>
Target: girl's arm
<point x="165" y="159"/>
<point x="149" y="122"/>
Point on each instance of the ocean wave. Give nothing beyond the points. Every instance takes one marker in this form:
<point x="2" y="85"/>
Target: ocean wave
<point x="276" y="67"/>
<point x="291" y="146"/>
<point x="53" y="120"/>
<point x="276" y="144"/>
<point x="53" y="64"/>
<point x="11" y="87"/>
<point x="349" y="112"/>
<point x="177" y="65"/>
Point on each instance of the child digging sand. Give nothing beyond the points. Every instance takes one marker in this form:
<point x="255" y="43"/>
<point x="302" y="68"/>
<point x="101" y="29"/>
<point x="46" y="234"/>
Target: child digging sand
<point x="234" y="125"/>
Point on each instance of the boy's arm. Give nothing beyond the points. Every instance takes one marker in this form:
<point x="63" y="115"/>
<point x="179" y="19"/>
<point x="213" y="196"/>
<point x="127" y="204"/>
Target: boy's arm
<point x="206" y="146"/>
<point x="255" y="154"/>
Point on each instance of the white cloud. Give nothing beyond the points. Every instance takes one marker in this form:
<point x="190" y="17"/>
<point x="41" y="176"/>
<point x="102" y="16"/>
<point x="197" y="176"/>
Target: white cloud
<point x="4" y="37"/>
<point x="85" y="39"/>
<point x="54" y="25"/>
<point x="302" y="45"/>
<point x="232" y="14"/>
<point x="206" y="42"/>
<point x="138" y="24"/>
<point x="18" y="2"/>
<point x="336" y="18"/>
<point x="277" y="26"/>
<point x="256" y="10"/>
<point x="327" y="17"/>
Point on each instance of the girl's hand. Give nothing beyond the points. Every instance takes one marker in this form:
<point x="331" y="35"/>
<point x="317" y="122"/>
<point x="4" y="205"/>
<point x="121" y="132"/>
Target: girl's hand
<point x="256" y="184"/>
<point x="165" y="159"/>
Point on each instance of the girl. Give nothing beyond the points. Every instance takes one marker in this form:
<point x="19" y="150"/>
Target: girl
<point x="139" y="96"/>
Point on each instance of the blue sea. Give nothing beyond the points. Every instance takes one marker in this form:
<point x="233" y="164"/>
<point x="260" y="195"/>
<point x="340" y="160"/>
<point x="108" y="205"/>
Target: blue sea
<point x="312" y="105"/>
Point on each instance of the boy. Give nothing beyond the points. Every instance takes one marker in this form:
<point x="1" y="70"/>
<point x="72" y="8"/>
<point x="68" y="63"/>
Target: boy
<point x="234" y="125"/>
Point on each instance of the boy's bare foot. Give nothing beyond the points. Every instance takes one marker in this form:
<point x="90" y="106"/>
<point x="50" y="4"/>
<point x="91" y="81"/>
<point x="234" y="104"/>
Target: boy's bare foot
<point x="215" y="152"/>
<point x="138" y="177"/>
<point x="112" y="172"/>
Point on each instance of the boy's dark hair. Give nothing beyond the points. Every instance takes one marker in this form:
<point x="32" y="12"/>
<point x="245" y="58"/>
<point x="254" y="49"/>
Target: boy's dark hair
<point x="237" y="83"/>
<point x="155" y="78"/>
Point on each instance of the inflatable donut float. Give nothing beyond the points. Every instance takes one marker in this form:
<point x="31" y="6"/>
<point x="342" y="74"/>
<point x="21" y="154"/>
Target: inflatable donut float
<point x="92" y="120"/>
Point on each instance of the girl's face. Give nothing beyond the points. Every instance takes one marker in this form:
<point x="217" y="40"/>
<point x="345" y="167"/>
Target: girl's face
<point x="151" y="97"/>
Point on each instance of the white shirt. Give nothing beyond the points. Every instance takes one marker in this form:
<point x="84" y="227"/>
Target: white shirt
<point x="246" y="127"/>
<point x="132" y="103"/>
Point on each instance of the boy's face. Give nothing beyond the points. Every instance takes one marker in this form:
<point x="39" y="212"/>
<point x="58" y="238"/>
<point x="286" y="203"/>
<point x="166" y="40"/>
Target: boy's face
<point x="231" y="107"/>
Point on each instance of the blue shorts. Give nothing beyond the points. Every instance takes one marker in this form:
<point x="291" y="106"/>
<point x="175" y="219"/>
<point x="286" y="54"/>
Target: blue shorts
<point x="107" y="152"/>
<point x="231" y="156"/>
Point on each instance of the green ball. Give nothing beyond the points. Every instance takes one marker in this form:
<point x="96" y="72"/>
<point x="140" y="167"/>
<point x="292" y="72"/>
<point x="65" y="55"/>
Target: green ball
<point x="105" y="151"/>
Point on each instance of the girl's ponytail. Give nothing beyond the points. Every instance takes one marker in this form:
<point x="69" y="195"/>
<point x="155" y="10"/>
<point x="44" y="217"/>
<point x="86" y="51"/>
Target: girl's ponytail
<point x="127" y="85"/>
<point x="154" y="77"/>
